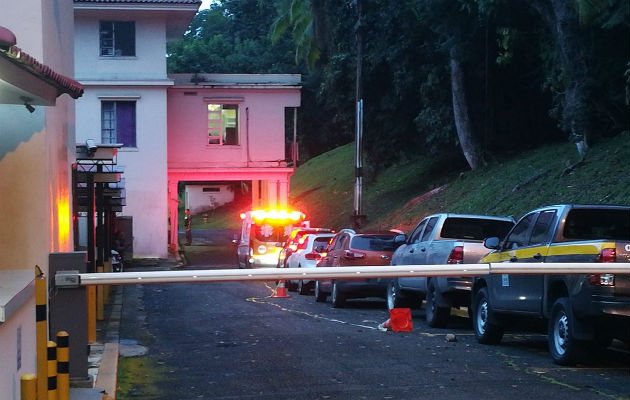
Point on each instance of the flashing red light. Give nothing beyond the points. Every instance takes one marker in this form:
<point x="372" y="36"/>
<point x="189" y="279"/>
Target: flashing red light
<point x="301" y="243"/>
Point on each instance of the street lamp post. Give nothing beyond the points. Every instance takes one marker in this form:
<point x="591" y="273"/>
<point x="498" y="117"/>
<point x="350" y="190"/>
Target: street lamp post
<point x="358" y="218"/>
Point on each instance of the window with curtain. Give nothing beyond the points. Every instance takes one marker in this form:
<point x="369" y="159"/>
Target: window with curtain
<point x="223" y="124"/>
<point x="118" y="122"/>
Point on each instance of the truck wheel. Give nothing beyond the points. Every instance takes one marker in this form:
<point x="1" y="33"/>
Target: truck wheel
<point x="486" y="332"/>
<point x="437" y="317"/>
<point x="395" y="297"/>
<point x="291" y="285"/>
<point x="563" y="347"/>
<point x="337" y="298"/>
<point x="320" y="296"/>
<point x="302" y="288"/>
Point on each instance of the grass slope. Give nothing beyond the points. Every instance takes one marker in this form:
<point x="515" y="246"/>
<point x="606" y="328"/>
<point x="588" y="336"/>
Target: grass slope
<point x="403" y="194"/>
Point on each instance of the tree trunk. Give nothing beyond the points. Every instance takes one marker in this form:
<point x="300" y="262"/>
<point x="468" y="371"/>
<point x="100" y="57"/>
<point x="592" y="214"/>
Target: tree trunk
<point x="461" y="115"/>
<point x="563" y="24"/>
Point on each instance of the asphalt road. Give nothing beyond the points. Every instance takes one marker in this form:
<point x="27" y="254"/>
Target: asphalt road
<point x="233" y="341"/>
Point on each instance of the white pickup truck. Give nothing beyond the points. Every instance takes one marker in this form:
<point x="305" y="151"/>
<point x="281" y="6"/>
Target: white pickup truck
<point x="442" y="239"/>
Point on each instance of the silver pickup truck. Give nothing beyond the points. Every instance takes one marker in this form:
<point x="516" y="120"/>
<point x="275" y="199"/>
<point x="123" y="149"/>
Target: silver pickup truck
<point x="583" y="312"/>
<point x="442" y="239"/>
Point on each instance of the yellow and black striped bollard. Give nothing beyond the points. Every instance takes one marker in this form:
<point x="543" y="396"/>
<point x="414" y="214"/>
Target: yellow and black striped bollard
<point x="41" y="331"/>
<point x="63" y="365"/>
<point x="52" y="370"/>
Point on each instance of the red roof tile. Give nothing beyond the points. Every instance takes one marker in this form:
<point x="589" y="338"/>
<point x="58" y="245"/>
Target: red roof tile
<point x="27" y="62"/>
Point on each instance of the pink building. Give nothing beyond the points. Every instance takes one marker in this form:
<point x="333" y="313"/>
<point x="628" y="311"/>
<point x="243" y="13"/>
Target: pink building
<point x="230" y="128"/>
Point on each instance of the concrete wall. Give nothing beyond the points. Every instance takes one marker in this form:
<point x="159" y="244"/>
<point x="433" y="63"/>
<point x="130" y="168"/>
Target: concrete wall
<point x="144" y="166"/>
<point x="261" y="127"/>
<point x="36" y="152"/>
<point x="142" y="78"/>
<point x="150" y="59"/>
<point x="214" y="196"/>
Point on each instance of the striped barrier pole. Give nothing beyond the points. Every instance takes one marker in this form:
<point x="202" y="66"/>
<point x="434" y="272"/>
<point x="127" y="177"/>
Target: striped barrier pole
<point x="107" y="267"/>
<point x="70" y="279"/>
<point x="41" y="331"/>
<point x="52" y="370"/>
<point x="91" y="314"/>
<point x="100" y="310"/>
<point x="28" y="387"/>
<point x="63" y="365"/>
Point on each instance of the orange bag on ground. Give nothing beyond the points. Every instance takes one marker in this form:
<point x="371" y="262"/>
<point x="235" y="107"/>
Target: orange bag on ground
<point x="400" y="320"/>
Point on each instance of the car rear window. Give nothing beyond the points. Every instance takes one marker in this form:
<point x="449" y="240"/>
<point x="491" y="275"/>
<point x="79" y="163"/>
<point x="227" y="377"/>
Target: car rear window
<point x="373" y="243"/>
<point x="319" y="241"/>
<point x="597" y="223"/>
<point x="474" y="228"/>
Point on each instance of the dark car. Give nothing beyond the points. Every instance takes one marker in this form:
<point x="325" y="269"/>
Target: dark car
<point x="583" y="312"/>
<point x="349" y="248"/>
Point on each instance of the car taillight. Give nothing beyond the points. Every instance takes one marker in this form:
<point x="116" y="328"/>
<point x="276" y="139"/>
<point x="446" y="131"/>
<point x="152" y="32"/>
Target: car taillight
<point x="607" y="255"/>
<point x="353" y="255"/>
<point x="312" y="255"/>
<point x="456" y="256"/>
<point x="601" y="279"/>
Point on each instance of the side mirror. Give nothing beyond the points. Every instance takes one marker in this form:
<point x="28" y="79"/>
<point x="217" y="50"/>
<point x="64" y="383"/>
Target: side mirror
<point x="400" y="239"/>
<point x="492" y="243"/>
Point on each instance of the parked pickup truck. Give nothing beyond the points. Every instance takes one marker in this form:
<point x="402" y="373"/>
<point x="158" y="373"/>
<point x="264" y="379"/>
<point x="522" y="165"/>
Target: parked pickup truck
<point x="442" y="239"/>
<point x="582" y="312"/>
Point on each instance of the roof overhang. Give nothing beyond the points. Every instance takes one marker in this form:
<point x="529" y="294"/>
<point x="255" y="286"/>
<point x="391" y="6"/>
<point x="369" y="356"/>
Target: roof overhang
<point x="176" y="15"/>
<point x="237" y="81"/>
<point x="23" y="80"/>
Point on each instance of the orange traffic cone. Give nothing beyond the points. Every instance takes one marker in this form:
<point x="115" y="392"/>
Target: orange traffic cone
<point x="281" y="291"/>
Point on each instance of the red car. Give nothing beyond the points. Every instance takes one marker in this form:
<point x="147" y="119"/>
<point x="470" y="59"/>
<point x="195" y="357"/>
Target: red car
<point x="349" y="248"/>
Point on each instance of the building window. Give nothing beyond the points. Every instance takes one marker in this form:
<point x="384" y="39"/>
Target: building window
<point x="223" y="124"/>
<point x="118" y="122"/>
<point x="118" y="39"/>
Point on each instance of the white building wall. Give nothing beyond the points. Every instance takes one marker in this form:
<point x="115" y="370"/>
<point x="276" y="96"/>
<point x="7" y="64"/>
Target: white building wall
<point x="199" y="200"/>
<point x="142" y="78"/>
<point x="149" y="62"/>
<point x="144" y="166"/>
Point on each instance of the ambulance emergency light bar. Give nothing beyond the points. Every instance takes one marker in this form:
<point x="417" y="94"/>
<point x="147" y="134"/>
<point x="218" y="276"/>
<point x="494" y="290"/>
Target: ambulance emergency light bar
<point x="275" y="215"/>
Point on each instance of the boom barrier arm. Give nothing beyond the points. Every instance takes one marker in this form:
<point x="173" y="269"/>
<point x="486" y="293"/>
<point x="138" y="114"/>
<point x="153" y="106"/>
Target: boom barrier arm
<point x="69" y="279"/>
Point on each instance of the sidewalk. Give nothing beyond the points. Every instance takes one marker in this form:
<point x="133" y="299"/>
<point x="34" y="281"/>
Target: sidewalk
<point x="103" y="357"/>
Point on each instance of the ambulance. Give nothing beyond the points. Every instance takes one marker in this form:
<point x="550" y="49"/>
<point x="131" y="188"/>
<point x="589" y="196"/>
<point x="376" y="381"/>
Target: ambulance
<point x="263" y="234"/>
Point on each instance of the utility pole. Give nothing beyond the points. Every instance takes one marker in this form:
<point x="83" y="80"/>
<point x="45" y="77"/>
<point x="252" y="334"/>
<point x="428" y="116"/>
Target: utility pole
<point x="358" y="218"/>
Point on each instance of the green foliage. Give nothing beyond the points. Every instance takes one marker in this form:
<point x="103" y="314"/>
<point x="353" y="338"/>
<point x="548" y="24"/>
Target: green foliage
<point x="510" y="185"/>
<point x="515" y="81"/>
<point x="231" y="37"/>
